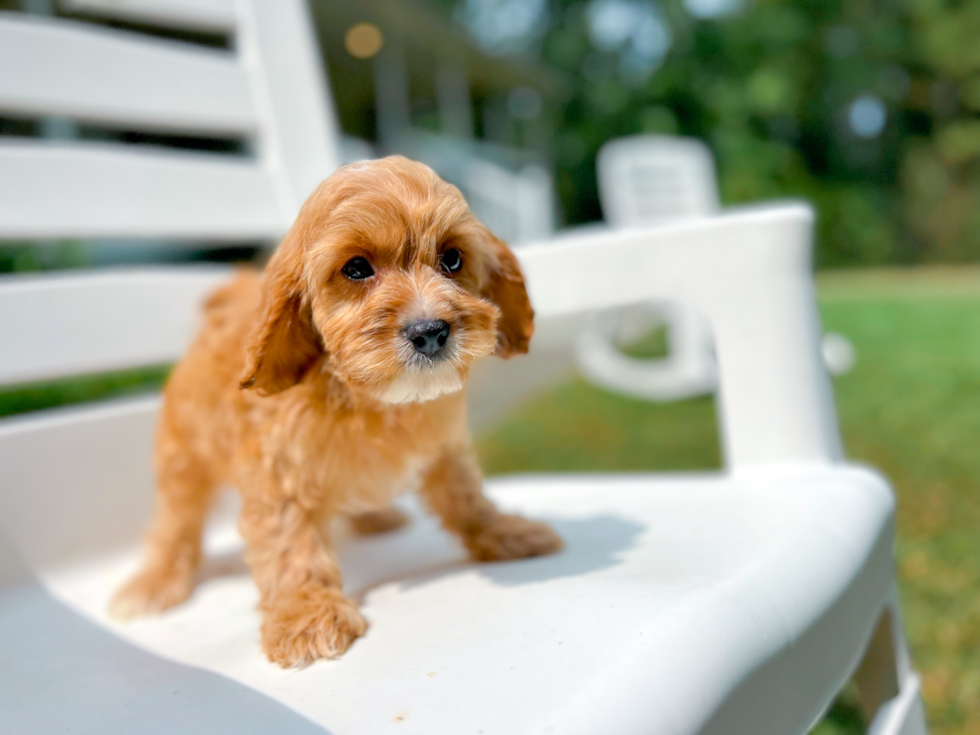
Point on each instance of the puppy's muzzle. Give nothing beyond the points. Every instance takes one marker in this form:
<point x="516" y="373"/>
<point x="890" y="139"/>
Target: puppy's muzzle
<point x="428" y="336"/>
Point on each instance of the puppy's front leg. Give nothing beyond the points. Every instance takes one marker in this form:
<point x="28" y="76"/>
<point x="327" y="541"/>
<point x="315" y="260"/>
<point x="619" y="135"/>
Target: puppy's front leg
<point x="305" y="615"/>
<point x="452" y="488"/>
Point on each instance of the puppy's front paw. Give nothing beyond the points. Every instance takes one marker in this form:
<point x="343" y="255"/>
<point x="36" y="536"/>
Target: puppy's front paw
<point x="312" y="622"/>
<point x="151" y="591"/>
<point x="513" y="537"/>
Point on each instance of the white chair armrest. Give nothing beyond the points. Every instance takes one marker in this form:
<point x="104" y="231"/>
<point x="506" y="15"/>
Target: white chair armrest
<point x="749" y="273"/>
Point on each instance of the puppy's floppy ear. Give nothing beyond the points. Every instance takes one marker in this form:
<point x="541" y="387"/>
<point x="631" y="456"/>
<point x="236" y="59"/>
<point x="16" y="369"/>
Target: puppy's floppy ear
<point x="506" y="289"/>
<point x="283" y="343"/>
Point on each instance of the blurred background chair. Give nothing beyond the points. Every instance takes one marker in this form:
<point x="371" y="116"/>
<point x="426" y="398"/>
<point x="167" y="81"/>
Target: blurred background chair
<point x="644" y="181"/>
<point x="733" y="602"/>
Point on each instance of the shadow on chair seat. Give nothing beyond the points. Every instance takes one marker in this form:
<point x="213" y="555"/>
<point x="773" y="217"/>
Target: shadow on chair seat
<point x="63" y="673"/>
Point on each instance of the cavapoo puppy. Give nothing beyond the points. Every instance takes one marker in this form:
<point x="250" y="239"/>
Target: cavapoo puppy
<point x="330" y="384"/>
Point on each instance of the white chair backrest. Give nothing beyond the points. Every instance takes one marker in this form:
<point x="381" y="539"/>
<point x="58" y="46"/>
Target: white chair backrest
<point x="649" y="179"/>
<point x="269" y="91"/>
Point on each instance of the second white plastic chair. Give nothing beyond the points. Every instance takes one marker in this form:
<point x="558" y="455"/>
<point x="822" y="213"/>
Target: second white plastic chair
<point x="651" y="180"/>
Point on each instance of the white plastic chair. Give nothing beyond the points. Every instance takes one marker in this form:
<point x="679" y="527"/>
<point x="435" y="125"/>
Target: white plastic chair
<point x="731" y="602"/>
<point x="644" y="181"/>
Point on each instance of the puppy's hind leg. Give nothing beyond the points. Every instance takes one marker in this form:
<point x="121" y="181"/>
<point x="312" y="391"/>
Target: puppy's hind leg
<point x="173" y="545"/>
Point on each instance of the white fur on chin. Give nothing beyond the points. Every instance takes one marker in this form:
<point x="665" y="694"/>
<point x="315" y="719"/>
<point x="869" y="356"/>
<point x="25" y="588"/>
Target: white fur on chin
<point x="418" y="384"/>
<point x="423" y="379"/>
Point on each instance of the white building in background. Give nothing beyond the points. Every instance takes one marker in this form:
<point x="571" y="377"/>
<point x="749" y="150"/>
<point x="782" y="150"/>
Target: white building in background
<point x="406" y="79"/>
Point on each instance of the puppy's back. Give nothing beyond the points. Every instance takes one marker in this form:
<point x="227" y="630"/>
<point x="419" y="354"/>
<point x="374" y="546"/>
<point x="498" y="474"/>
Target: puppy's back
<point x="239" y="296"/>
<point x="202" y="399"/>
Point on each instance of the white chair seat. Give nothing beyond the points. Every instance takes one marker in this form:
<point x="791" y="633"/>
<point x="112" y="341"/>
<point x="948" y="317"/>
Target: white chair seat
<point x="681" y="605"/>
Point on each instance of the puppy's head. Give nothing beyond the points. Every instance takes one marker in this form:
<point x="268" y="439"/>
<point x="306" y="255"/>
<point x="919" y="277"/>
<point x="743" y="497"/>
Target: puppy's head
<point x="388" y="272"/>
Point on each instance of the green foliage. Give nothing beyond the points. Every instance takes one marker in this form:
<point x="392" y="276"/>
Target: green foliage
<point x="770" y="89"/>
<point x="910" y="407"/>
<point x="36" y="256"/>
<point x="25" y="397"/>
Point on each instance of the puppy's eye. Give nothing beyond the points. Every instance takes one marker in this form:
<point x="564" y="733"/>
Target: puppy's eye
<point x="452" y="261"/>
<point x="357" y="269"/>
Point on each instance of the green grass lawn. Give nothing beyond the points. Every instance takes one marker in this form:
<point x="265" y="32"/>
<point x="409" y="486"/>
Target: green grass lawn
<point x="910" y="407"/>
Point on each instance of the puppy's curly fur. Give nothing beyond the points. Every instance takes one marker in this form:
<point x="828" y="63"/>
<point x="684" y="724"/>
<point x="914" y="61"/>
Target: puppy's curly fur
<point x="303" y="391"/>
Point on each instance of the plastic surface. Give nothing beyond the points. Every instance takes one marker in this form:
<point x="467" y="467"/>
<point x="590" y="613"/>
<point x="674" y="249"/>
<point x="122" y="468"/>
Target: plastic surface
<point x="100" y="321"/>
<point x="271" y="91"/>
<point x="87" y="72"/>
<point x="748" y="272"/>
<point x="204" y="15"/>
<point x="682" y="605"/>
<point x="64" y="673"/>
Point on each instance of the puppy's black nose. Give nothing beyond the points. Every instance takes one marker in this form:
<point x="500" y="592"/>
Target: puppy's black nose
<point x="428" y="335"/>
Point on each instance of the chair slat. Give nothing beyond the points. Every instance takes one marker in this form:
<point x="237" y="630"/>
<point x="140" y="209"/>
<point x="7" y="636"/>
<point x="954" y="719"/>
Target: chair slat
<point x="302" y="140"/>
<point x="58" y="326"/>
<point x="202" y="15"/>
<point x="104" y="190"/>
<point x="57" y="67"/>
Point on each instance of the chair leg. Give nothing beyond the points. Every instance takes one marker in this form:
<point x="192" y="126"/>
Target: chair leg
<point x="888" y="689"/>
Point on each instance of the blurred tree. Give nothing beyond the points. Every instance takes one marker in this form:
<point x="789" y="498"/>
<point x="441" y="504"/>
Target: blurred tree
<point x="869" y="108"/>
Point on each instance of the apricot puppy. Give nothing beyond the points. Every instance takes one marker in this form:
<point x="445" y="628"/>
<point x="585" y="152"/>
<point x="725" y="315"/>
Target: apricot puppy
<point x="330" y="384"/>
